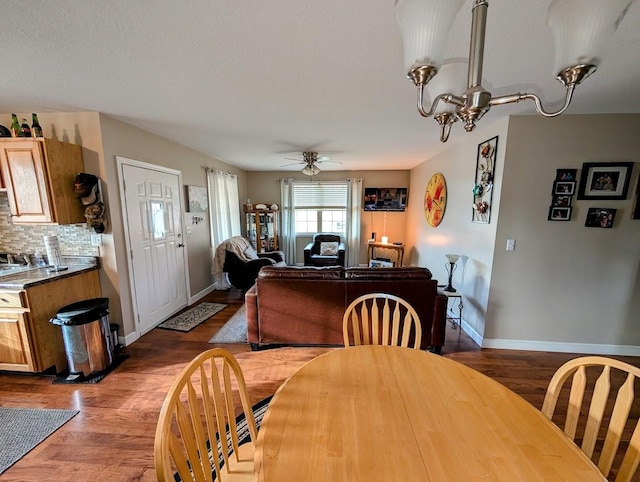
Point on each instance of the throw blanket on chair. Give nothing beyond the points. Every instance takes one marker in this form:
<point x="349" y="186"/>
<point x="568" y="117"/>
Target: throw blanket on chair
<point x="240" y="246"/>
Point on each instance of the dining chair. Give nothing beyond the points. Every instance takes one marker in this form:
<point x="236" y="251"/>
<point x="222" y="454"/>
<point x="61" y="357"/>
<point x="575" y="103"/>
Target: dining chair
<point x="198" y="435"/>
<point x="381" y="319"/>
<point x="594" y="414"/>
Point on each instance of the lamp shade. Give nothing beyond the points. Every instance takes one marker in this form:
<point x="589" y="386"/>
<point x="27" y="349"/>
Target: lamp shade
<point x="583" y="29"/>
<point x="452" y="258"/>
<point x="425" y="26"/>
<point x="310" y="170"/>
<point x="452" y="78"/>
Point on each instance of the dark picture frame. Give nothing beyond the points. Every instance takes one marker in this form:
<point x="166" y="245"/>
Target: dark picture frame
<point x="635" y="213"/>
<point x="600" y="218"/>
<point x="564" y="188"/>
<point x="566" y="174"/>
<point x="605" y="180"/>
<point x="561" y="200"/>
<point x="560" y="213"/>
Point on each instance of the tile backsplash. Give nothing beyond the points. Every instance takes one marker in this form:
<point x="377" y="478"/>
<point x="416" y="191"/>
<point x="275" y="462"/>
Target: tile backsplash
<point x="75" y="239"/>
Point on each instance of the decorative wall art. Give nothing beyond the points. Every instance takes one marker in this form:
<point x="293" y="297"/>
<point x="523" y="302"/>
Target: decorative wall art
<point x="600" y="218"/>
<point x="636" y="205"/>
<point x="435" y="199"/>
<point x="564" y="186"/>
<point x="197" y="199"/>
<point x="483" y="188"/>
<point x="605" y="180"/>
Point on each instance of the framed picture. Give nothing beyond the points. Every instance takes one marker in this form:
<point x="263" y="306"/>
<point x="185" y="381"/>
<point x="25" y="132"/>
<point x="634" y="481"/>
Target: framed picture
<point x="566" y="174"/>
<point x="483" y="188"/>
<point x="566" y="188"/>
<point x="561" y="201"/>
<point x="558" y="213"/>
<point x="378" y="263"/>
<point x="600" y="218"/>
<point x="605" y="180"/>
<point x="197" y="199"/>
<point x="635" y="214"/>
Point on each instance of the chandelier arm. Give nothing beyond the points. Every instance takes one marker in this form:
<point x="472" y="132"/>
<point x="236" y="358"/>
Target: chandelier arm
<point x="447" y="97"/>
<point x="509" y="99"/>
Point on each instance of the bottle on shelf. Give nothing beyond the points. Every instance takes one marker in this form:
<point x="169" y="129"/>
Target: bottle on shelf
<point x="26" y="130"/>
<point x="16" y="130"/>
<point x="36" y="130"/>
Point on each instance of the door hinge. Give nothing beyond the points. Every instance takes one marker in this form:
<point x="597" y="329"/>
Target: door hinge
<point x="131" y="253"/>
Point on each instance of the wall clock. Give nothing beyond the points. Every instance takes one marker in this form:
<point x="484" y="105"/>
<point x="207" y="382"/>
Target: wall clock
<point x="435" y="199"/>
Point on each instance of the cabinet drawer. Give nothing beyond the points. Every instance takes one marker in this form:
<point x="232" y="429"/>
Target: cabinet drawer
<point x="12" y="299"/>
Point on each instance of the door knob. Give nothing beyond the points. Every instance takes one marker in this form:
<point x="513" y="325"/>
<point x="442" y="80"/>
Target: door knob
<point x="180" y="245"/>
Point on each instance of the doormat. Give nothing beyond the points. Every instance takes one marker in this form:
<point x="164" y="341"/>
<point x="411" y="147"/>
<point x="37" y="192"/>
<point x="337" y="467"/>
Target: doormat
<point x="234" y="330"/>
<point x="75" y="378"/>
<point x="191" y="318"/>
<point x="22" y="429"/>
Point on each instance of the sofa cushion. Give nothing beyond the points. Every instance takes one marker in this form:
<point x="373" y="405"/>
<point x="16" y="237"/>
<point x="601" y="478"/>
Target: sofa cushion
<point x="307" y="272"/>
<point x="387" y="273"/>
<point x="329" y="248"/>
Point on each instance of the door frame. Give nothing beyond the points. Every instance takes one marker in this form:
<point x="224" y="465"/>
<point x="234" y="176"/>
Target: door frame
<point x="121" y="161"/>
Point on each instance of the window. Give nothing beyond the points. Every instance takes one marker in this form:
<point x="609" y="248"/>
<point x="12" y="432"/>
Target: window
<point x="320" y="207"/>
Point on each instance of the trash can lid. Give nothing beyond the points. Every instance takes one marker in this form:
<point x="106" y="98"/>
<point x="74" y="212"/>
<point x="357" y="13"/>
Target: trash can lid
<point x="82" y="312"/>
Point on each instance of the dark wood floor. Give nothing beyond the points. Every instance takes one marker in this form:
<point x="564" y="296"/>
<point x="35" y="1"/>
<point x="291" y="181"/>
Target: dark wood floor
<point x="112" y="436"/>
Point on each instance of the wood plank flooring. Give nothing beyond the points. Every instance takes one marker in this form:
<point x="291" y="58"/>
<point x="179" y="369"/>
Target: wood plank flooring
<point x="112" y="436"/>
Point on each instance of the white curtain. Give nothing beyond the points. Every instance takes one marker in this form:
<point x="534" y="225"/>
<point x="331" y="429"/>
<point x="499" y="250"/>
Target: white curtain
<point x="354" y="207"/>
<point x="288" y="231"/>
<point x="224" y="213"/>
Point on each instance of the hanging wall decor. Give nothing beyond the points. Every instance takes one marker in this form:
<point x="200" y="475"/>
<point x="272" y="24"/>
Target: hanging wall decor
<point x="483" y="188"/>
<point x="435" y="199"/>
<point x="564" y="186"/>
<point x="605" y="180"/>
<point x="636" y="205"/>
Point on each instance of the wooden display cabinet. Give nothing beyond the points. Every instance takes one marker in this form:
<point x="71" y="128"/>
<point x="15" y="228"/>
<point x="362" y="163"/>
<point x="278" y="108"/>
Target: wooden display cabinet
<point x="262" y="229"/>
<point x="38" y="175"/>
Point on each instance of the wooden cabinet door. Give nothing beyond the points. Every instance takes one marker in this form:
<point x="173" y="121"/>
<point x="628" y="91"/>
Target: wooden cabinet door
<point x="25" y="177"/>
<point x="16" y="353"/>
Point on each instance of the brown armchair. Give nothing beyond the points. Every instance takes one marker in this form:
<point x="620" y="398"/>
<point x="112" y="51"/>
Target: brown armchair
<point x="325" y="250"/>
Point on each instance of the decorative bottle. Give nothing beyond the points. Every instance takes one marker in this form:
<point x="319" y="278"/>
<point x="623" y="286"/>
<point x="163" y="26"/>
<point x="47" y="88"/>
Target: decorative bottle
<point x="16" y="130"/>
<point x="36" y="130"/>
<point x="26" y="130"/>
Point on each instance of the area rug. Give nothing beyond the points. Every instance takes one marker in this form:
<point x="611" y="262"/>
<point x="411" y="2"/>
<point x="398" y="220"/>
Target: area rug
<point x="21" y="429"/>
<point x="234" y="330"/>
<point x="191" y="318"/>
<point x="75" y="378"/>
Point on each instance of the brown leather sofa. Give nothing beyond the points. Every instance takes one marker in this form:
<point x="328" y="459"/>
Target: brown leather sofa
<point x="304" y="305"/>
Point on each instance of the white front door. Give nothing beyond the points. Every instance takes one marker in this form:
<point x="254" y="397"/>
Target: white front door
<point x="154" y="230"/>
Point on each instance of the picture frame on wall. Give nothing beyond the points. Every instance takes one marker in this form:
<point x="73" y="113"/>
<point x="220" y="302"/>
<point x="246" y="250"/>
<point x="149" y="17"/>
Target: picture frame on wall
<point x="635" y="213"/>
<point x="564" y="188"/>
<point x="605" y="180"/>
<point x="197" y="201"/>
<point x="600" y="218"/>
<point x="561" y="201"/>
<point x="566" y="174"/>
<point x="559" y="213"/>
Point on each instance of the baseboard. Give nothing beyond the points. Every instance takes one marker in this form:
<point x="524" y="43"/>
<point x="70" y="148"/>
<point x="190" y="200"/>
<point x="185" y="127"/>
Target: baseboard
<point x="128" y="339"/>
<point x="198" y="296"/>
<point x="554" y="346"/>
<point x="475" y="336"/>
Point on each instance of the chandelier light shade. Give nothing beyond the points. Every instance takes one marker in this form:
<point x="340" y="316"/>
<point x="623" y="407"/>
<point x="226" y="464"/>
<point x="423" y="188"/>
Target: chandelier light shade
<point x="582" y="30"/>
<point x="451" y="78"/>
<point x="310" y="170"/>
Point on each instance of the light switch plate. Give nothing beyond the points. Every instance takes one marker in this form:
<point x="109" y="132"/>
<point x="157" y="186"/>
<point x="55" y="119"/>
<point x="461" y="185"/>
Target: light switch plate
<point x="511" y="244"/>
<point x="96" y="240"/>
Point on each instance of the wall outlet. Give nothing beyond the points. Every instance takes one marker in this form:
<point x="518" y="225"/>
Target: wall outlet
<point x="511" y="244"/>
<point x="189" y="230"/>
<point x="96" y="240"/>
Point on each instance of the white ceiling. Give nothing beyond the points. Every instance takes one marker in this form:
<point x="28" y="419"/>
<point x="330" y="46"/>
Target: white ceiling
<point x="252" y="82"/>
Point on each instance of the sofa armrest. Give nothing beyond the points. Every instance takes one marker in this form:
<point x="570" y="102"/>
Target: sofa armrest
<point x="307" y="253"/>
<point x="439" y="327"/>
<point x="251" y="305"/>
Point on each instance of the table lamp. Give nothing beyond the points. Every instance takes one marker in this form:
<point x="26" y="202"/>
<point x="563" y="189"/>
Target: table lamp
<point x="451" y="267"/>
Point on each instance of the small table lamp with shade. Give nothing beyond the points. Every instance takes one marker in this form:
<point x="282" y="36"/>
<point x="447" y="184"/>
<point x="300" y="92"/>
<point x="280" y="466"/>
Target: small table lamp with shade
<point x="451" y="267"/>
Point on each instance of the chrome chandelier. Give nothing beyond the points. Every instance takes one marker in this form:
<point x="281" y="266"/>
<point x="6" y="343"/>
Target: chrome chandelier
<point x="582" y="30"/>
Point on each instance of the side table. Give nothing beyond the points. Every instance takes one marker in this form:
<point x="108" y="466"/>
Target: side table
<point x="456" y="321"/>
<point x="398" y="248"/>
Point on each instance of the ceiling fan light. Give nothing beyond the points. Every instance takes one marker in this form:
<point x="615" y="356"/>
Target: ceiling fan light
<point x="583" y="29"/>
<point x="452" y="79"/>
<point x="310" y="170"/>
<point x="425" y="26"/>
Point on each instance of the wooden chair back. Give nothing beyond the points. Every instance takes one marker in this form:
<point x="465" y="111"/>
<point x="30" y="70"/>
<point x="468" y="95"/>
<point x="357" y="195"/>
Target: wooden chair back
<point x="598" y="411"/>
<point x="381" y="319"/>
<point x="197" y="433"/>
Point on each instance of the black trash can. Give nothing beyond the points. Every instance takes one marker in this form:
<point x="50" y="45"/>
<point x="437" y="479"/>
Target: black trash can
<point x="87" y="335"/>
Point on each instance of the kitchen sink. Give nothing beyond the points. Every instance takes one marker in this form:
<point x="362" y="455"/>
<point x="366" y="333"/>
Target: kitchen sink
<point x="7" y="268"/>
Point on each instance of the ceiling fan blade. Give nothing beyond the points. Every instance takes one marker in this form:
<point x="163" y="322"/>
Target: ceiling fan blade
<point x="293" y="164"/>
<point x="329" y="162"/>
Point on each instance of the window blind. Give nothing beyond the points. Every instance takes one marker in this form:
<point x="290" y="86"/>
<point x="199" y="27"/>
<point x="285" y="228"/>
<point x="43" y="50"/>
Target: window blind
<point x="320" y="195"/>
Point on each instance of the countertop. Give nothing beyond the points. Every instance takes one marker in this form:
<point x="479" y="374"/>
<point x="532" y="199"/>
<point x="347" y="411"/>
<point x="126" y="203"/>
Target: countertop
<point x="36" y="276"/>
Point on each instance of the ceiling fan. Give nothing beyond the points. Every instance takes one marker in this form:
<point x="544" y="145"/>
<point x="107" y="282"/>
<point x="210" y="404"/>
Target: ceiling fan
<point x="310" y="161"/>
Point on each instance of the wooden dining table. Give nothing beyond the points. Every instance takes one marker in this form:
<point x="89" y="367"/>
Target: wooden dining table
<point x="379" y="413"/>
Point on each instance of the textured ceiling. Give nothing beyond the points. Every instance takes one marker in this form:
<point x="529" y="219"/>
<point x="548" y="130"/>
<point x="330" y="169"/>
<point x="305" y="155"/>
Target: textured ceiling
<point x="252" y="82"/>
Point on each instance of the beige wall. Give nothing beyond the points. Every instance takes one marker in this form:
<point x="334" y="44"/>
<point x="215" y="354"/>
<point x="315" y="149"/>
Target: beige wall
<point x="565" y="283"/>
<point x="565" y="287"/>
<point x="265" y="187"/>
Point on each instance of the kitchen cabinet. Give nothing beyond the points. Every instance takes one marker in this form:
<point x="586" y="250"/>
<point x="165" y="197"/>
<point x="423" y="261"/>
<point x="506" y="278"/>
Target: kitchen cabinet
<point x="28" y="341"/>
<point x="262" y="229"/>
<point x="38" y="175"/>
